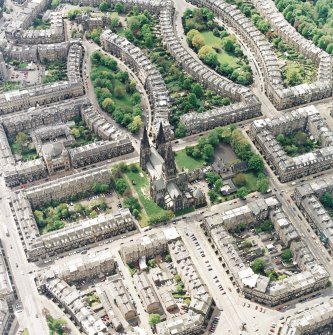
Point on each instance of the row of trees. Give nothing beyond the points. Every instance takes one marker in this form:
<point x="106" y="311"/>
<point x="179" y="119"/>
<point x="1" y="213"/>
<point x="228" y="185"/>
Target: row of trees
<point x="241" y="73"/>
<point x="314" y="20"/>
<point x="296" y="143"/>
<point x="115" y="93"/>
<point x="139" y="30"/>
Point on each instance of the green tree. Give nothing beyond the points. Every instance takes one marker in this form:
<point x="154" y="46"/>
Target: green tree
<point x="114" y="22"/>
<point x="287" y="256"/>
<point x="262" y="185"/>
<point x="240" y="179"/>
<point x="191" y="34"/>
<point x="197" y="90"/>
<point x="168" y="258"/>
<point x="327" y="200"/>
<point x="229" y="44"/>
<point x="104" y="6"/>
<point x="39" y="216"/>
<point x="208" y="152"/>
<point x="21" y="140"/>
<point x="132" y="203"/>
<point x="56" y="326"/>
<point x="258" y="266"/>
<point x="121" y="185"/>
<point x="198" y="41"/>
<point x="154" y="319"/>
<point x="135" y="125"/>
<point x="108" y="104"/>
<point x="152" y="262"/>
<point x="93" y="214"/>
<point x="242" y="192"/>
<point x="181" y="130"/>
<point x="119" y="7"/>
<point x="256" y="163"/>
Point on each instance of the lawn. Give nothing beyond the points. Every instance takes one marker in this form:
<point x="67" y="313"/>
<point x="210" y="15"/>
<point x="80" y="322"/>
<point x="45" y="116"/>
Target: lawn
<point x="28" y="154"/>
<point x="187" y="162"/>
<point x="216" y="42"/>
<point x="250" y="181"/>
<point x="9" y="86"/>
<point x="140" y="183"/>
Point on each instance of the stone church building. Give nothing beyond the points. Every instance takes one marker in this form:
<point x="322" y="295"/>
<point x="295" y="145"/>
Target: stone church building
<point x="169" y="188"/>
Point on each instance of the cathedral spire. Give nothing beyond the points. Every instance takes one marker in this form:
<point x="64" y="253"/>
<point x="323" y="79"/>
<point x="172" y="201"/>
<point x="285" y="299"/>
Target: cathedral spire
<point x="144" y="149"/>
<point x="160" y="138"/>
<point x="144" y="139"/>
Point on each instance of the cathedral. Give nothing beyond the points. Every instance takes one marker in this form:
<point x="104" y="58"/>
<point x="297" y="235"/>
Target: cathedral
<point x="169" y="188"/>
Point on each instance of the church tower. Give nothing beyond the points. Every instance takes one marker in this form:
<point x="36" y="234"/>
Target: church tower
<point x="169" y="168"/>
<point x="161" y="142"/>
<point x="144" y="150"/>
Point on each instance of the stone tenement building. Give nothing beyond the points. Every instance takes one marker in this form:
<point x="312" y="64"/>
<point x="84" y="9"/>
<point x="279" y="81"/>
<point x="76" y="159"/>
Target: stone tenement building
<point x="307" y="199"/>
<point x="53" y="143"/>
<point x="34" y="53"/>
<point x="258" y="287"/>
<point x="73" y="235"/>
<point x="281" y="97"/>
<point x="146" y="72"/>
<point x="169" y="241"/>
<point x="308" y="119"/>
<point x="45" y="94"/>
<point x="115" y="301"/>
<point x="246" y="104"/>
<point x="168" y="188"/>
<point x="311" y="321"/>
<point x="54" y="34"/>
<point x="3" y="69"/>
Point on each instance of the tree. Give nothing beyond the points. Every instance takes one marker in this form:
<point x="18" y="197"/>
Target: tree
<point x="240" y="179"/>
<point x="213" y="139"/>
<point x="208" y="152"/>
<point x="229" y="44"/>
<point x="56" y="326"/>
<point x="327" y="200"/>
<point x="198" y="41"/>
<point x="258" y="266"/>
<point x="211" y="177"/>
<point x="154" y="319"/>
<point x="132" y="203"/>
<point x="136" y="98"/>
<point x="54" y="4"/>
<point x="197" y="90"/>
<point x="242" y="192"/>
<point x="39" y="216"/>
<point x="180" y="131"/>
<point x="93" y="214"/>
<point x="168" y="258"/>
<point x="179" y="289"/>
<point x="262" y="185"/>
<point x="114" y="22"/>
<point x="286" y="256"/>
<point x="152" y="262"/>
<point x="119" y="91"/>
<point x="256" y="163"/>
<point x="121" y="185"/>
<point x="21" y="140"/>
<point x="119" y="7"/>
<point x="177" y="278"/>
<point x="192" y="99"/>
<point x="108" y="105"/>
<point x="281" y="138"/>
<point x="191" y="34"/>
<point x="135" y="125"/>
<point x="104" y="6"/>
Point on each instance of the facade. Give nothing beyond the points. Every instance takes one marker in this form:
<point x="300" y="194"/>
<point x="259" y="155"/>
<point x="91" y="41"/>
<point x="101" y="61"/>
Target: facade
<point x="48" y="93"/>
<point x="245" y="106"/>
<point x="168" y="188"/>
<point x="146" y="72"/>
<point x="315" y="320"/>
<point x="192" y="322"/>
<point x="74" y="235"/>
<point x="308" y="119"/>
<point x="3" y="69"/>
<point x="312" y="277"/>
<point x="307" y="199"/>
<point x="281" y="97"/>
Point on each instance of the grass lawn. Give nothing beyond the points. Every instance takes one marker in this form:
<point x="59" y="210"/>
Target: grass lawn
<point x="250" y="181"/>
<point x="28" y="155"/>
<point x="9" y="86"/>
<point x="140" y="183"/>
<point x="187" y="162"/>
<point x="216" y="42"/>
